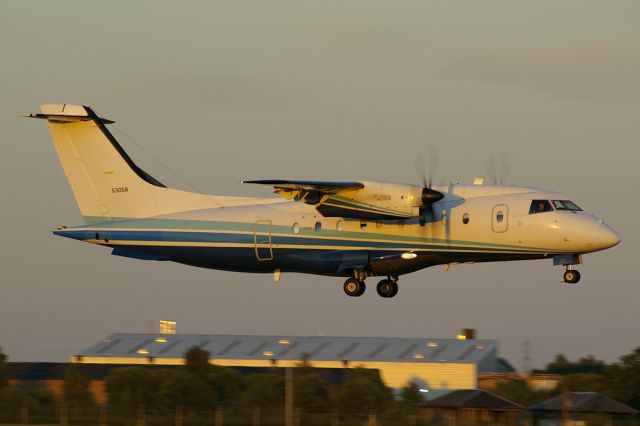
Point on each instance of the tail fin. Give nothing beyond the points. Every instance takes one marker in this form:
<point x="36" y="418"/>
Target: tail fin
<point x="106" y="183"/>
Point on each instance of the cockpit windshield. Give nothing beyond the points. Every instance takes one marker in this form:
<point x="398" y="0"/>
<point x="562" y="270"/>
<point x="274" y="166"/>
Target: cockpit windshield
<point x="540" y="206"/>
<point x="566" y="205"/>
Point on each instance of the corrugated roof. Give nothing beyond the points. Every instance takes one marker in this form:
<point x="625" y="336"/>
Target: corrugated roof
<point x="590" y="402"/>
<point x="472" y="398"/>
<point x="369" y="349"/>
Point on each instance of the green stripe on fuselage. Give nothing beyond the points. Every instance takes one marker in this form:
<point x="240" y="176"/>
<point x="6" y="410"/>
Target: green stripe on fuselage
<point x="206" y="225"/>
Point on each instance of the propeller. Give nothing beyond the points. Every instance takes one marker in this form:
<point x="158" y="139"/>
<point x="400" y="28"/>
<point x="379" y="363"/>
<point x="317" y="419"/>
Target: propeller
<point x="429" y="196"/>
<point x="498" y="174"/>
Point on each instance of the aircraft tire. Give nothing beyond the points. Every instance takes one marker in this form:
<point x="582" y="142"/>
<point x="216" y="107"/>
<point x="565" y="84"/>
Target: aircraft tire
<point x="387" y="288"/>
<point x="571" y="276"/>
<point x="354" y="288"/>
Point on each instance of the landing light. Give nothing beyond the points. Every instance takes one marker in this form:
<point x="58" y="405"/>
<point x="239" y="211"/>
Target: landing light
<point x="408" y="256"/>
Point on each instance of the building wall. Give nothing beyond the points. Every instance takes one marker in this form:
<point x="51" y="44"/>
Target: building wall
<point x="394" y="374"/>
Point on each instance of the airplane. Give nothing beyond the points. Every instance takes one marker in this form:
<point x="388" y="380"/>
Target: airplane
<point x="353" y="229"/>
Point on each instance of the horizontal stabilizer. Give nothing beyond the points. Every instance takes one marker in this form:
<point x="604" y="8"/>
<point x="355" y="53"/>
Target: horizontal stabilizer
<point x="65" y="113"/>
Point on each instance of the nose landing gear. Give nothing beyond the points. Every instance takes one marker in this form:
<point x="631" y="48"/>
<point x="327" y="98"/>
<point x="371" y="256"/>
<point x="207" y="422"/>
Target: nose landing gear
<point x="571" y="276"/>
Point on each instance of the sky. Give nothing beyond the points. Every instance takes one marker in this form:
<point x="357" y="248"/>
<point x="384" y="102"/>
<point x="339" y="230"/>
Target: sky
<point x="206" y="94"/>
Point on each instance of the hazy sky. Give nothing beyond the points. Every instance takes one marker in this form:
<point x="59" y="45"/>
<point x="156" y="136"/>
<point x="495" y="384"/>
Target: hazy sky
<point x="225" y="91"/>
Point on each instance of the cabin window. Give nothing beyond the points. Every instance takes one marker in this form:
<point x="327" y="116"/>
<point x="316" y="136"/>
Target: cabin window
<point x="465" y="218"/>
<point x="295" y="228"/>
<point x="499" y="216"/>
<point x="401" y="223"/>
<point x="378" y="224"/>
<point x="363" y="226"/>
<point x="339" y="225"/>
<point x="540" y="206"/>
<point x="566" y="205"/>
<point x="318" y="226"/>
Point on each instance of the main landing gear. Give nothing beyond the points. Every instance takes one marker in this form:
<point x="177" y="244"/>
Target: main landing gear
<point x="571" y="276"/>
<point x="387" y="288"/>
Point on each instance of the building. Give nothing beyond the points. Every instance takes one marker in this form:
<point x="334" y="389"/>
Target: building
<point x="472" y="406"/>
<point x="583" y="409"/>
<point x="435" y="364"/>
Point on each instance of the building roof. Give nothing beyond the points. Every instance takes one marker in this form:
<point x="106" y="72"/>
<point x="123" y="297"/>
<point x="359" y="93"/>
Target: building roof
<point x="247" y="347"/>
<point x="591" y="402"/>
<point x="472" y="398"/>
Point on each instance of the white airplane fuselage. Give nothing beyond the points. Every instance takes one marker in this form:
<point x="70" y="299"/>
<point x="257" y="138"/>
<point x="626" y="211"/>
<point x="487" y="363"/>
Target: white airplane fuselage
<point x="398" y="233"/>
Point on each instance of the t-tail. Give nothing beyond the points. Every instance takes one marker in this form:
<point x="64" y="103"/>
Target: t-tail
<point x="106" y="183"/>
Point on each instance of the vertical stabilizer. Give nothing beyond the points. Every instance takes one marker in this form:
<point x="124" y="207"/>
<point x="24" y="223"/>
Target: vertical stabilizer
<point x="106" y="183"/>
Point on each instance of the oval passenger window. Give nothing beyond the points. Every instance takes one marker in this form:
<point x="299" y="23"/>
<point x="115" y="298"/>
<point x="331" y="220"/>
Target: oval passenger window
<point x="339" y="225"/>
<point x="465" y="218"/>
<point x="295" y="228"/>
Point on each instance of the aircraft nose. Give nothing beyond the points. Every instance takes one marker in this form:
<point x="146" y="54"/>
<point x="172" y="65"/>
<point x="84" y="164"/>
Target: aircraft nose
<point x="607" y="237"/>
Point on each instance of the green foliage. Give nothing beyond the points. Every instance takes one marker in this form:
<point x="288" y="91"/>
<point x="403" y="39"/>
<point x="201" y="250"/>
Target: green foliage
<point x="518" y="391"/>
<point x="562" y="365"/>
<point x="310" y="391"/>
<point x="264" y="390"/>
<point x="185" y="389"/>
<point x="411" y="395"/>
<point x="363" y="391"/>
<point x="226" y="382"/>
<point x="76" y="387"/>
<point x="584" y="382"/>
<point x="624" y="377"/>
<point x="131" y="387"/>
<point x="3" y="369"/>
<point x="197" y="361"/>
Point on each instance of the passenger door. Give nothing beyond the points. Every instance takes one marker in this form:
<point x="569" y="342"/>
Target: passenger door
<point x="500" y="218"/>
<point x="262" y="240"/>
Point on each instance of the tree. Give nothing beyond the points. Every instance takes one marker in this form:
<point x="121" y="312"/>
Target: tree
<point x="362" y="391"/>
<point x="624" y="378"/>
<point x="197" y="361"/>
<point x="130" y="387"/>
<point x="562" y="365"/>
<point x="264" y="390"/>
<point x="226" y="382"/>
<point x="183" y="388"/>
<point x="411" y="395"/>
<point x="76" y="387"/>
<point x="310" y="391"/>
<point x="3" y="369"/>
<point x="584" y="382"/>
<point x="518" y="391"/>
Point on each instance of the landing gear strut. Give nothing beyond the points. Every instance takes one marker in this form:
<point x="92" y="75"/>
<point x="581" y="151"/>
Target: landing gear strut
<point x="571" y="276"/>
<point x="388" y="287"/>
<point x="354" y="287"/>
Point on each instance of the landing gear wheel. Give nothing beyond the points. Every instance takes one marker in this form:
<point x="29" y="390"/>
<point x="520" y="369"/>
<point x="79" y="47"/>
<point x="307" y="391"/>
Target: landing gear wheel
<point x="387" y="288"/>
<point x="354" y="287"/>
<point x="571" y="276"/>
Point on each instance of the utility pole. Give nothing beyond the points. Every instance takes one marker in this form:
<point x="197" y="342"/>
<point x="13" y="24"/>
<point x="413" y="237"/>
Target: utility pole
<point x="288" y="396"/>
<point x="526" y="357"/>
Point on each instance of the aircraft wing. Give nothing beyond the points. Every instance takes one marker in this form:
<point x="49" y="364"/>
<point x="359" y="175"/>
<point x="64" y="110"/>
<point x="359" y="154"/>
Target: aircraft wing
<point x="325" y="187"/>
